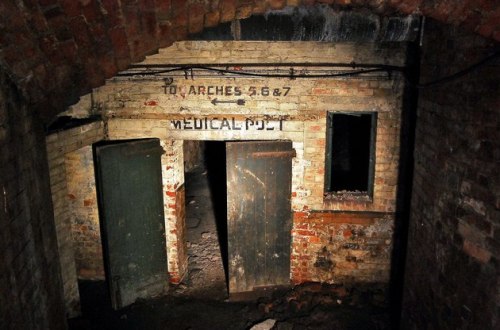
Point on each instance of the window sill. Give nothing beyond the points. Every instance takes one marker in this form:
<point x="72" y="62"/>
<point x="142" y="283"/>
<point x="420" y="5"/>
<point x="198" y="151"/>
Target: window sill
<point x="348" y="196"/>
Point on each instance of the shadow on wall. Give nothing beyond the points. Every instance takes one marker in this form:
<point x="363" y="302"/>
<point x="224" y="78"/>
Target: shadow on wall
<point x="215" y="163"/>
<point x="405" y="183"/>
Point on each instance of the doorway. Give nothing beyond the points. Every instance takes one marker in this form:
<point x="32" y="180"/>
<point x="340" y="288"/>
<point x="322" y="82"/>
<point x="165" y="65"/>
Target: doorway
<point x="253" y="180"/>
<point x="206" y="233"/>
<point x="259" y="216"/>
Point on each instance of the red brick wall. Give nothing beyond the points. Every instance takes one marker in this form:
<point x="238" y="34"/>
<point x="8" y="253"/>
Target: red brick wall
<point x="341" y="247"/>
<point x="83" y="214"/>
<point x="180" y="231"/>
<point x="174" y="201"/>
<point x="68" y="47"/>
<point x="454" y="239"/>
<point x="55" y="51"/>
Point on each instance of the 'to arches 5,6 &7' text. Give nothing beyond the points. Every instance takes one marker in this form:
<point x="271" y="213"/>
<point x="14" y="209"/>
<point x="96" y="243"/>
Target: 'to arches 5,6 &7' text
<point x="227" y="90"/>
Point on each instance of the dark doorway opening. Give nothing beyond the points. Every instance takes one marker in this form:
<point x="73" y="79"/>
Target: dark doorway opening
<point x="215" y="162"/>
<point x="206" y="227"/>
<point x="249" y="248"/>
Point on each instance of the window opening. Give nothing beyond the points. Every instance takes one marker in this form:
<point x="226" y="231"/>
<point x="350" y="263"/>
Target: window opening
<point x="350" y="153"/>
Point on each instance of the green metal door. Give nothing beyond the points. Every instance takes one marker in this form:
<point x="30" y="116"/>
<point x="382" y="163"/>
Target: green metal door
<point x="129" y="186"/>
<point x="259" y="214"/>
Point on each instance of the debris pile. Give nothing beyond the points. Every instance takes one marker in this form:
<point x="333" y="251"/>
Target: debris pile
<point x="328" y="306"/>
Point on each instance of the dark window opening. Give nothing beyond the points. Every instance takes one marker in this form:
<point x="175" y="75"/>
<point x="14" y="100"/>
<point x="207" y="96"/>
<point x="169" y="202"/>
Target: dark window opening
<point x="350" y="153"/>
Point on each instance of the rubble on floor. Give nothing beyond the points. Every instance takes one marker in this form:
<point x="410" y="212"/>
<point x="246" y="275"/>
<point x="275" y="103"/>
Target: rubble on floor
<point x="201" y="300"/>
<point x="307" y="306"/>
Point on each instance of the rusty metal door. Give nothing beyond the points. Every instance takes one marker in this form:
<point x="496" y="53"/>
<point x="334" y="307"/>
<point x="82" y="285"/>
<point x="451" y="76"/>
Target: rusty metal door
<point x="129" y="186"/>
<point x="259" y="214"/>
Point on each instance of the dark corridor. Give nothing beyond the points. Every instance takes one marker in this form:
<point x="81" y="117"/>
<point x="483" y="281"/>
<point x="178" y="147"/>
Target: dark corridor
<point x="206" y="234"/>
<point x="215" y="164"/>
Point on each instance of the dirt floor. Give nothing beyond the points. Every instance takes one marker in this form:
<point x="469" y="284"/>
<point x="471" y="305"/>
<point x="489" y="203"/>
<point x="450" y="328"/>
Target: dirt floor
<point x="310" y="306"/>
<point x="201" y="301"/>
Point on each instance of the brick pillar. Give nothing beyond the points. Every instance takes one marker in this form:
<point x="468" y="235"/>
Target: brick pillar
<point x="174" y="201"/>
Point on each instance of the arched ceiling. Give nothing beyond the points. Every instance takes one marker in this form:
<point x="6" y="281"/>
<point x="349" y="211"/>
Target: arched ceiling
<point x="57" y="50"/>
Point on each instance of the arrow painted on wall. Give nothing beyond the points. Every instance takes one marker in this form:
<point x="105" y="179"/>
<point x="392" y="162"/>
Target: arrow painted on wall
<point x="238" y="101"/>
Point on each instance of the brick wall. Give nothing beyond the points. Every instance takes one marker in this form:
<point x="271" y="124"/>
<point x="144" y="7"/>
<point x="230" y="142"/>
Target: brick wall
<point x="83" y="214"/>
<point x="67" y="56"/>
<point x="139" y="108"/>
<point x="342" y="247"/>
<point x="193" y="154"/>
<point x="175" y="216"/>
<point x="62" y="149"/>
<point x="75" y="46"/>
<point x="454" y="239"/>
<point x="30" y="281"/>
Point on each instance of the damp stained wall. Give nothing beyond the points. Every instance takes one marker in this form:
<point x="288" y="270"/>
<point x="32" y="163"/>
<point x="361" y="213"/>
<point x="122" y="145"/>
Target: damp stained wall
<point x="28" y="243"/>
<point x="334" y="240"/>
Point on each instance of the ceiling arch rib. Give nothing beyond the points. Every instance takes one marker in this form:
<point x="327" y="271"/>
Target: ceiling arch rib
<point x="57" y="50"/>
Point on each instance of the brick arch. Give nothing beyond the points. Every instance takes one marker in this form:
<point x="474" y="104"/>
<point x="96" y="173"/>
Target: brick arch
<point x="57" y="50"/>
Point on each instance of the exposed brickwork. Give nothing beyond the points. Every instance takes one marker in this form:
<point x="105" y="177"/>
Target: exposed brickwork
<point x="61" y="148"/>
<point x="48" y="60"/>
<point x="89" y="41"/>
<point x="30" y="274"/>
<point x="175" y="216"/>
<point x="83" y="214"/>
<point x="341" y="247"/>
<point x="178" y="248"/>
<point x="454" y="243"/>
<point x="63" y="230"/>
<point x="193" y="154"/>
<point x="143" y="108"/>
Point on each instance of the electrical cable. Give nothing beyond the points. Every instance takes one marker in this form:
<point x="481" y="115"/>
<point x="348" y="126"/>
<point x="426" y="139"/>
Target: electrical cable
<point x="458" y="74"/>
<point x="292" y="75"/>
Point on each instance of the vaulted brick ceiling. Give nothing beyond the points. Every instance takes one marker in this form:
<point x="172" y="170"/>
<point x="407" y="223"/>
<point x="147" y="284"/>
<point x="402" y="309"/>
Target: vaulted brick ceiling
<point x="57" y="50"/>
